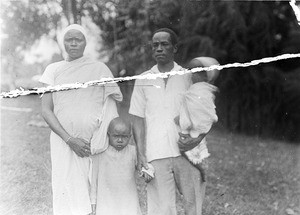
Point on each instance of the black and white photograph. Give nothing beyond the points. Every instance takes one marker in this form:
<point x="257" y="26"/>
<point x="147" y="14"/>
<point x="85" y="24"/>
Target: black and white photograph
<point x="150" y="107"/>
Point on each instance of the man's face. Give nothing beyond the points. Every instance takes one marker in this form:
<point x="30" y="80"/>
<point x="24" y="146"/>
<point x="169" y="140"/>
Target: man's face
<point x="74" y="43"/>
<point x="162" y="47"/>
<point x="119" y="136"/>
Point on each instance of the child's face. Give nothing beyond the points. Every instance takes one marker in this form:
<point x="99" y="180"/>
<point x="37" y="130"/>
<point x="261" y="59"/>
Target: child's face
<point x="197" y="76"/>
<point x="119" y="136"/>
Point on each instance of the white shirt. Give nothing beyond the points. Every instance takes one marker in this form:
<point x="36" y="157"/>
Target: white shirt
<point x="159" y="104"/>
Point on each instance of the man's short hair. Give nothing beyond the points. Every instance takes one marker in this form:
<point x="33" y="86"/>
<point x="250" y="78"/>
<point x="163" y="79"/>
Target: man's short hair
<point x="174" y="38"/>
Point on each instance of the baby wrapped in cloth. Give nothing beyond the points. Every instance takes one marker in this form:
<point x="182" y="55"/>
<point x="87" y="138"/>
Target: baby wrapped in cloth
<point x="197" y="112"/>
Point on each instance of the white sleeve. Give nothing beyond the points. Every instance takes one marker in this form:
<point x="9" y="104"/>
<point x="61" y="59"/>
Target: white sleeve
<point x="48" y="75"/>
<point x="138" y="100"/>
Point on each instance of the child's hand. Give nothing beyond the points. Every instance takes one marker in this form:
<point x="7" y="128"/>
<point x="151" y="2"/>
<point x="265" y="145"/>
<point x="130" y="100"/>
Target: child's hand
<point x="147" y="177"/>
<point x="147" y="174"/>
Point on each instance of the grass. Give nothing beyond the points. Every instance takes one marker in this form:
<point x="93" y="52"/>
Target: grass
<point x="247" y="175"/>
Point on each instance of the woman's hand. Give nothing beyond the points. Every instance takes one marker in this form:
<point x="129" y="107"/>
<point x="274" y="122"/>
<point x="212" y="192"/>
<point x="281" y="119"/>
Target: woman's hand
<point x="80" y="147"/>
<point x="186" y="142"/>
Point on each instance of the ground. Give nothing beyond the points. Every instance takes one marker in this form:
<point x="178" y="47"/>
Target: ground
<point x="247" y="175"/>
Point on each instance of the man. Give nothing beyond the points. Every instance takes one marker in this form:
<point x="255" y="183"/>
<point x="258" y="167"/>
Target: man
<point x="154" y="105"/>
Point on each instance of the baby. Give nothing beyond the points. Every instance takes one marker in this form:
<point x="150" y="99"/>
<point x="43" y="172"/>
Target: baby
<point x="113" y="187"/>
<point x="197" y="112"/>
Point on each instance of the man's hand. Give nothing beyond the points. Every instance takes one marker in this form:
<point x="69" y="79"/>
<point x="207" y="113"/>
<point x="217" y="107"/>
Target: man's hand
<point x="146" y="177"/>
<point x="80" y="147"/>
<point x="142" y="162"/>
<point x="186" y="142"/>
<point x="148" y="174"/>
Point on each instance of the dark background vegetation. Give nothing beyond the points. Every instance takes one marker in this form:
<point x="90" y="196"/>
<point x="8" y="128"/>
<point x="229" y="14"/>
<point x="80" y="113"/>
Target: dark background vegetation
<point x="260" y="100"/>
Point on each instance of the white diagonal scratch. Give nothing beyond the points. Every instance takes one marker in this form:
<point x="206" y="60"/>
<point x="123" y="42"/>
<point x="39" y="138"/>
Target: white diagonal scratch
<point x="42" y="90"/>
<point x="296" y="10"/>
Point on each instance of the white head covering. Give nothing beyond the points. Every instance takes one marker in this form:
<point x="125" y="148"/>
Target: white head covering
<point x="62" y="35"/>
<point x="73" y="27"/>
<point x="207" y="62"/>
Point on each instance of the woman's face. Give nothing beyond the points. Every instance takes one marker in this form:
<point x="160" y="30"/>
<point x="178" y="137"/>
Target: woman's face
<point x="74" y="42"/>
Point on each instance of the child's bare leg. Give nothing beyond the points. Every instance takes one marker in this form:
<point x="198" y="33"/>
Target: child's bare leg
<point x="201" y="167"/>
<point x="202" y="170"/>
<point x="93" y="210"/>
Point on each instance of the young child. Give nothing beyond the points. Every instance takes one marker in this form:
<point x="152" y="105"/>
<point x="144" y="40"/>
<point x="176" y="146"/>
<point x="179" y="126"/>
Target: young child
<point x="197" y="112"/>
<point x="113" y="187"/>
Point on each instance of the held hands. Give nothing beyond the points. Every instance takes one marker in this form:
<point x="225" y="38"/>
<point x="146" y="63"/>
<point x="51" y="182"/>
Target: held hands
<point x="142" y="162"/>
<point x="147" y="174"/>
<point x="144" y="167"/>
<point x="79" y="146"/>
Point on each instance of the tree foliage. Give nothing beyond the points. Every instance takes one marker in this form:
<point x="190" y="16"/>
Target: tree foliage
<point x="252" y="100"/>
<point x="25" y="23"/>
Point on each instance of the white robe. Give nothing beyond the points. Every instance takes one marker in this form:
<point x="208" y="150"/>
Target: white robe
<point x="114" y="188"/>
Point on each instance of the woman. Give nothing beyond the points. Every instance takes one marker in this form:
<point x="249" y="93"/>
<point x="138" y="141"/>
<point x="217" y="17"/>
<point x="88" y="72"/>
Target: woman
<point x="75" y="117"/>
